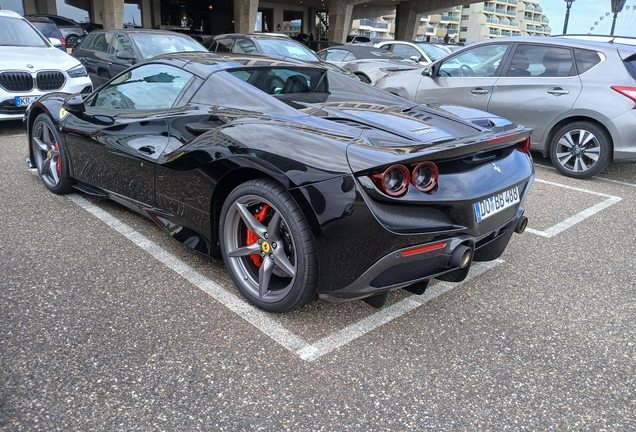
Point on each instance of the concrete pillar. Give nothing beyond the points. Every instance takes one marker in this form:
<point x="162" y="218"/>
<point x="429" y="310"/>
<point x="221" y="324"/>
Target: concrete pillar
<point x="245" y="15"/>
<point x="113" y="14"/>
<point x="151" y="13"/>
<point x="339" y="20"/>
<point x="407" y="20"/>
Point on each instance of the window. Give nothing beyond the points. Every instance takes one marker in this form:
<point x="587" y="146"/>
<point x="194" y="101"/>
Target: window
<point x="465" y="17"/>
<point x="406" y="52"/>
<point x="482" y="61"/>
<point x="148" y="87"/>
<point x="541" y="61"/>
<point x="463" y="29"/>
<point x="334" y="55"/>
<point x="244" y="46"/>
<point x="120" y="43"/>
<point x="223" y="45"/>
<point x="586" y="60"/>
<point x="101" y="42"/>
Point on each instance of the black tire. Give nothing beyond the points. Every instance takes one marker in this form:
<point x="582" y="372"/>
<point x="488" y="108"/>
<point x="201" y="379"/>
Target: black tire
<point x="580" y="149"/>
<point x="285" y="275"/>
<point x="49" y="156"/>
<point x="363" y="78"/>
<point x="71" y="41"/>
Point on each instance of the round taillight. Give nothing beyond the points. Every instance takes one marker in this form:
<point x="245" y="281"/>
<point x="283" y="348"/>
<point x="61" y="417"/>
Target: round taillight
<point x="394" y="180"/>
<point x="425" y="177"/>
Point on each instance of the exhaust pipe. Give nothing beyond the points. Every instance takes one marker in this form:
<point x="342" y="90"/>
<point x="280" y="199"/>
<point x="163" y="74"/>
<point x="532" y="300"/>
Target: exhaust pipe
<point x="521" y="225"/>
<point x="461" y="256"/>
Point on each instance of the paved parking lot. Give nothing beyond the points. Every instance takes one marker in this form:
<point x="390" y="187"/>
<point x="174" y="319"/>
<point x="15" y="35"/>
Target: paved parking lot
<point x="108" y="324"/>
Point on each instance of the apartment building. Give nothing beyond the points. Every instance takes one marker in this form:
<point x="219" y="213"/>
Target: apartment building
<point x="468" y="23"/>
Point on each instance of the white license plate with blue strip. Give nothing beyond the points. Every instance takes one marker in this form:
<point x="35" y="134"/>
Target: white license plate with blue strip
<point x="24" y="101"/>
<point x="496" y="203"/>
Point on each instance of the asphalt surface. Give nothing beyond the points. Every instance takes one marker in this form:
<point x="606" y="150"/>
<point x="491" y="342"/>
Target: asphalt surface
<point x="106" y="323"/>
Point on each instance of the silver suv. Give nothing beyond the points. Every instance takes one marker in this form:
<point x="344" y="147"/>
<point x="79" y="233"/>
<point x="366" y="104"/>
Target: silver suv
<point x="579" y="95"/>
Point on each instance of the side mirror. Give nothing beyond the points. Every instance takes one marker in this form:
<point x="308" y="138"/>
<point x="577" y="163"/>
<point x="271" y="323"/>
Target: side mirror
<point x="74" y="103"/>
<point x="414" y="58"/>
<point x="430" y="70"/>
<point x="55" y="42"/>
<point x="125" y="55"/>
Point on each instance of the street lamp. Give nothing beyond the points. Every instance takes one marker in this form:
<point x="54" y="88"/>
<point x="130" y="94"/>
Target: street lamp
<point x="617" y="6"/>
<point x="568" y="5"/>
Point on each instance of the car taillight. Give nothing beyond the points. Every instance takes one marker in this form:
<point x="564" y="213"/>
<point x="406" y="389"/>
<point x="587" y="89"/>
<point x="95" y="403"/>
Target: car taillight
<point x="524" y="146"/>
<point x="63" y="42"/>
<point x="629" y="92"/>
<point x="425" y="177"/>
<point x="394" y="181"/>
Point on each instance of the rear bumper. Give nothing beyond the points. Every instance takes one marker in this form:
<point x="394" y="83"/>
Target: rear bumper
<point x="399" y="269"/>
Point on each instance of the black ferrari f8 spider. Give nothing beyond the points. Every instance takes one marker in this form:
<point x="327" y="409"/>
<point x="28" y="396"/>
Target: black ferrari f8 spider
<point x="307" y="183"/>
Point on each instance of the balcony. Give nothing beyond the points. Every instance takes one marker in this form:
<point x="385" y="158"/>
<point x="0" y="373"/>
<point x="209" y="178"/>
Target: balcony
<point x="458" y="8"/>
<point x="492" y="21"/>
<point x="453" y="18"/>
<point x="537" y="19"/>
<point x="538" y="9"/>
<point x="489" y="9"/>
<point x="512" y="1"/>
<point x="511" y="12"/>
<point x="495" y="32"/>
<point x="506" y="33"/>
<point x="530" y="27"/>
<point x="503" y="22"/>
<point x="444" y="18"/>
<point x="451" y="32"/>
<point x="500" y="11"/>
<point x="372" y="24"/>
<point x="545" y="20"/>
<point x="529" y="7"/>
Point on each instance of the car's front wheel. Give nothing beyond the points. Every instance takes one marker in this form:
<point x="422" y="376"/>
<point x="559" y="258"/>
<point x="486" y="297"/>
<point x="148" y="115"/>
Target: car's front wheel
<point x="580" y="149"/>
<point x="268" y="246"/>
<point x="49" y="156"/>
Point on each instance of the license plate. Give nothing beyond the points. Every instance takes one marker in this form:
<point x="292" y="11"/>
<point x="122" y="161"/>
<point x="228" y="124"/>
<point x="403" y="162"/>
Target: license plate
<point x="24" y="101"/>
<point x="496" y="203"/>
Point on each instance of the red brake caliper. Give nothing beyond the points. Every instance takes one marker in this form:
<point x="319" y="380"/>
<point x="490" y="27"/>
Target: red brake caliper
<point x="253" y="238"/>
<point x="59" y="164"/>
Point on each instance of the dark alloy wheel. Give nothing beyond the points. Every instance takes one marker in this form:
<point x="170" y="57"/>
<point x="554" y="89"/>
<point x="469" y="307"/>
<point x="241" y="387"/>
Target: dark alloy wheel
<point x="71" y="41"/>
<point x="580" y="150"/>
<point x="49" y="156"/>
<point x="268" y="246"/>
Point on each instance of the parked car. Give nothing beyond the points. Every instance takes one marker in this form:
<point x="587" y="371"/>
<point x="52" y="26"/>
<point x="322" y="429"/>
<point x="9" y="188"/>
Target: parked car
<point x="368" y="63"/>
<point x="71" y="30"/>
<point x="105" y="53"/>
<point x="90" y="26"/>
<point x="49" y="29"/>
<point x="32" y="67"/>
<point x="577" y="95"/>
<point x="355" y="39"/>
<point x="421" y="52"/>
<point x="197" y="35"/>
<point x="325" y="187"/>
<point x="269" y="44"/>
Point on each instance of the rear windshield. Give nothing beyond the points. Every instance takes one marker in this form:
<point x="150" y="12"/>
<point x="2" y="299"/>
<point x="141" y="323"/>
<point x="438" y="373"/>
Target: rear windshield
<point x="18" y="32"/>
<point x="48" y="29"/>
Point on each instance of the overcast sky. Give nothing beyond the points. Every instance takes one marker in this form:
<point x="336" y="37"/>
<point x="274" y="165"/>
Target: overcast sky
<point x="584" y="13"/>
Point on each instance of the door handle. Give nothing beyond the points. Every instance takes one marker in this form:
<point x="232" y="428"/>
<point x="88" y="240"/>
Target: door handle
<point x="146" y="150"/>
<point x="558" y="91"/>
<point x="479" y="91"/>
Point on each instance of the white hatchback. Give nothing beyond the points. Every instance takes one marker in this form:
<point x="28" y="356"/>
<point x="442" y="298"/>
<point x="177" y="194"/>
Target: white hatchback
<point x="31" y="67"/>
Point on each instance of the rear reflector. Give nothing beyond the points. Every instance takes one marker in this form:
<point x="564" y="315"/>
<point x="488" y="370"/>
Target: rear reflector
<point x="421" y="249"/>
<point x="524" y="146"/>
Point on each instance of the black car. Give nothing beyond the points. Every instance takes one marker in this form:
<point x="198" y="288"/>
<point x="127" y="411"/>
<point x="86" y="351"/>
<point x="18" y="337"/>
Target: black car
<point x="71" y="30"/>
<point x="306" y="182"/>
<point x="105" y="53"/>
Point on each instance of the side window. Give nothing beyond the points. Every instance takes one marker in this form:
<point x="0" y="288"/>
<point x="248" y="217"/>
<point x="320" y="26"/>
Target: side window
<point x="101" y="42"/>
<point x="586" y="59"/>
<point x="386" y="47"/>
<point x="244" y="46"/>
<point x="406" y="51"/>
<point x="148" y="87"/>
<point x="482" y="61"/>
<point x="223" y="45"/>
<point x="88" y="41"/>
<point x="541" y="61"/>
<point x="120" y="43"/>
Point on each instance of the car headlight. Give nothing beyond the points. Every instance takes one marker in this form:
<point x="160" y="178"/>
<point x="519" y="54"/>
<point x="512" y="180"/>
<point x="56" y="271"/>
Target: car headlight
<point x="77" y="72"/>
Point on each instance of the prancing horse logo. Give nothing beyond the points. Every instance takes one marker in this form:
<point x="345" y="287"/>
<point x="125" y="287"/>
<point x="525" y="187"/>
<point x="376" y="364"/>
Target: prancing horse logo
<point x="496" y="167"/>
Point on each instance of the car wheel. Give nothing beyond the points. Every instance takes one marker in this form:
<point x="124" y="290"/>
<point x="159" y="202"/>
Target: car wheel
<point x="580" y="149"/>
<point x="71" y="41"/>
<point x="268" y="247"/>
<point x="364" y="79"/>
<point x="49" y="156"/>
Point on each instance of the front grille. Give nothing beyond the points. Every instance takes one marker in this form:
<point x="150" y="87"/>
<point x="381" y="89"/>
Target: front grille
<point x="8" y="108"/>
<point x="16" y="81"/>
<point x="50" y="80"/>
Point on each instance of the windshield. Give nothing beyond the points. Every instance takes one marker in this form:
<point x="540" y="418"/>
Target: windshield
<point x="17" y="32"/>
<point x="433" y="52"/>
<point x="154" y="44"/>
<point x="284" y="48"/>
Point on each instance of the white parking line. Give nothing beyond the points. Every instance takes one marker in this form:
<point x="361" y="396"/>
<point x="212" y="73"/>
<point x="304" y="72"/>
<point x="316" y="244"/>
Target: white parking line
<point x="594" y="177"/>
<point x="573" y="220"/>
<point x="261" y="320"/>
